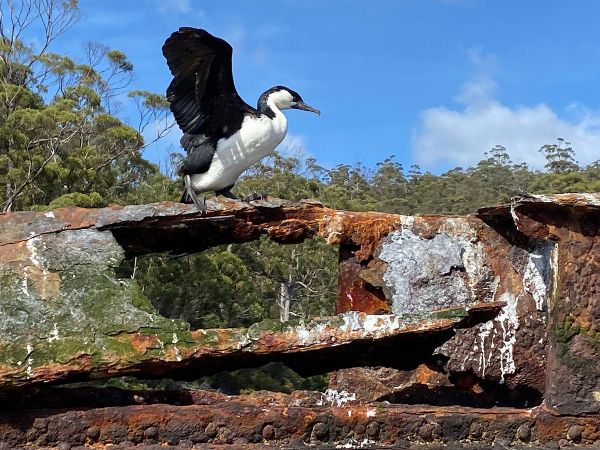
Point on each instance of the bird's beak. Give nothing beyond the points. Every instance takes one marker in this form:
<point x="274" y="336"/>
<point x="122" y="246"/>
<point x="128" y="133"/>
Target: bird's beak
<point x="304" y="107"/>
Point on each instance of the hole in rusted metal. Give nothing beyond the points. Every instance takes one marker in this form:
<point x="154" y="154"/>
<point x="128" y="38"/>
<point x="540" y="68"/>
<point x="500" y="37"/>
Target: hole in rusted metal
<point x="466" y="389"/>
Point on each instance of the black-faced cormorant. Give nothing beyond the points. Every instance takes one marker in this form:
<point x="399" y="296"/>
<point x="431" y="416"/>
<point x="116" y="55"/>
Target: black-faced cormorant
<point x="222" y="134"/>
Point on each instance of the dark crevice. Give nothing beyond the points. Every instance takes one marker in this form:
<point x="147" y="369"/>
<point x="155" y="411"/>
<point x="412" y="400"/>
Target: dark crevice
<point x="377" y="291"/>
<point x="124" y="391"/>
<point x="466" y="389"/>
<point x="500" y="219"/>
<point x="398" y="352"/>
<point x="480" y="315"/>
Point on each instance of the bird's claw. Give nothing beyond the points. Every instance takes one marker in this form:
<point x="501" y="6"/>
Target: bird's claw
<point x="190" y="194"/>
<point x="254" y="196"/>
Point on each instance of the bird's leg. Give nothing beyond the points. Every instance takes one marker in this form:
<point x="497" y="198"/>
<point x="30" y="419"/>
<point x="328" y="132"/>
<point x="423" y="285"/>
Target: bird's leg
<point x="226" y="192"/>
<point x="189" y="193"/>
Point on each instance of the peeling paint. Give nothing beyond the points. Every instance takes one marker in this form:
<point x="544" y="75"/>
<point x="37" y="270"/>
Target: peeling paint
<point x="484" y="332"/>
<point x="537" y="276"/>
<point x="376" y="325"/>
<point x="427" y="274"/>
<point x="554" y="271"/>
<point x="352" y="443"/>
<point x="174" y="341"/>
<point x="333" y="397"/>
<point x="513" y="214"/>
<point x="29" y="358"/>
<point x="54" y="333"/>
<point x="509" y="322"/>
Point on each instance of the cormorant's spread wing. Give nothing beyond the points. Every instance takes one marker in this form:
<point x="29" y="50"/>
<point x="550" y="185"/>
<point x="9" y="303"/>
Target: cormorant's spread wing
<point x="202" y="94"/>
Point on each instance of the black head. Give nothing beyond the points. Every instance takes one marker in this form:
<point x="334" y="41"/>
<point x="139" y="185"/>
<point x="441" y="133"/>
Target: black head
<point x="284" y="98"/>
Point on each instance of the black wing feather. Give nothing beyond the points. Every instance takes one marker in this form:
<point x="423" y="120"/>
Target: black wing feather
<point x="202" y="95"/>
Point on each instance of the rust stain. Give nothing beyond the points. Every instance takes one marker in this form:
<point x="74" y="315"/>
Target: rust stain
<point x="143" y="342"/>
<point x="16" y="252"/>
<point x="77" y="218"/>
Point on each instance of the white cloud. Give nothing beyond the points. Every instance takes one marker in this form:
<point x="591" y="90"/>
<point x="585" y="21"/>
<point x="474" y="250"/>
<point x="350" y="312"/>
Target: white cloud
<point x="448" y="137"/>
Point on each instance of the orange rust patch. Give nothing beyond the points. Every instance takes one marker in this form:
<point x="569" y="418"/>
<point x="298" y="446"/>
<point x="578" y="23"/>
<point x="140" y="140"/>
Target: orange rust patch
<point x="58" y="371"/>
<point x="290" y="230"/>
<point x="14" y="252"/>
<point x="46" y="284"/>
<point x="75" y="217"/>
<point x="143" y="342"/>
<point x="424" y="374"/>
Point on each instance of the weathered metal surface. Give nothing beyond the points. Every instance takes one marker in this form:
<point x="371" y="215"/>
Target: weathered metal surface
<point x="501" y="308"/>
<point x="571" y="222"/>
<point x="540" y="255"/>
<point x="65" y="314"/>
<point x="434" y="262"/>
<point x="293" y="421"/>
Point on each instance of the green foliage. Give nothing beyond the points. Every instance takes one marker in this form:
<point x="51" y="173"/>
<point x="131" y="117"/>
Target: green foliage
<point x="58" y="136"/>
<point x="93" y="200"/>
<point x="274" y="377"/>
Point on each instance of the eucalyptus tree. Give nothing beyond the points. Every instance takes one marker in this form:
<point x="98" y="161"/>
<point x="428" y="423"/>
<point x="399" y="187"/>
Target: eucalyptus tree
<point x="59" y="135"/>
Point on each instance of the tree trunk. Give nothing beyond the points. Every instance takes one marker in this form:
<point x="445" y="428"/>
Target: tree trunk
<point x="9" y="190"/>
<point x="284" y="302"/>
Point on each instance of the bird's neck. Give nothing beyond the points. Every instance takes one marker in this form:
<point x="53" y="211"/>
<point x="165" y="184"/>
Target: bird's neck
<point x="268" y="108"/>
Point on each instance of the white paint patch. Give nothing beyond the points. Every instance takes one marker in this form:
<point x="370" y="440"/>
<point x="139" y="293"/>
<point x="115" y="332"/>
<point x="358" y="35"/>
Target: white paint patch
<point x="514" y="215"/>
<point x="371" y="412"/>
<point x="407" y="221"/>
<point x="592" y="199"/>
<point x="484" y="332"/>
<point x="53" y="334"/>
<point x="509" y="322"/>
<point x="596" y="395"/>
<point x="374" y="325"/>
<point x="49" y="214"/>
<point x="352" y="443"/>
<point x="421" y="273"/>
<point x="554" y="275"/>
<point x="29" y="360"/>
<point x="38" y="263"/>
<point x="303" y="335"/>
<point x="534" y="280"/>
<point x="332" y="227"/>
<point x="351" y="300"/>
<point x="174" y="341"/>
<point x="333" y="397"/>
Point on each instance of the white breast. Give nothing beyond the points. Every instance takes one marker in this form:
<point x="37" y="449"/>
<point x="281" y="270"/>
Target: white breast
<point x="256" y="139"/>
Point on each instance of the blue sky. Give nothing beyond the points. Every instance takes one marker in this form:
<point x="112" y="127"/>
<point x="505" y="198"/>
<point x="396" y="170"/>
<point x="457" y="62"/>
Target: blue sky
<point x="434" y="82"/>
